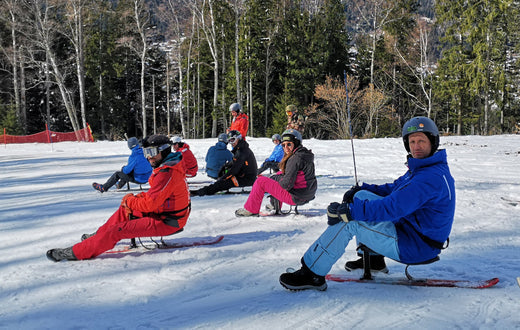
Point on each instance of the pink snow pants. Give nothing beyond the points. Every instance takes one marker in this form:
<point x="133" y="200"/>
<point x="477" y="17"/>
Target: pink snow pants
<point x="119" y="227"/>
<point x="264" y="185"/>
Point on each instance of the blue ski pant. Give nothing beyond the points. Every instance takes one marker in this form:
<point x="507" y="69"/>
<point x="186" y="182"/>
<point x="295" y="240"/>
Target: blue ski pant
<point x="381" y="237"/>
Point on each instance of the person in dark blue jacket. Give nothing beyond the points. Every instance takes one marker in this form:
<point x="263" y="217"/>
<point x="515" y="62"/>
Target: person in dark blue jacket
<point x="276" y="156"/>
<point x="408" y="220"/>
<point x="217" y="156"/>
<point x="137" y="170"/>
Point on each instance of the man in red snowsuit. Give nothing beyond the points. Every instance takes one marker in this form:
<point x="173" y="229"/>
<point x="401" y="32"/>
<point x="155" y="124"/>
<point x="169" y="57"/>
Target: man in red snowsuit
<point x="160" y="211"/>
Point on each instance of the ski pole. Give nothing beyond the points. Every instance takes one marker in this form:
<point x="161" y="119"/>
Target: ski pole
<point x="350" y="127"/>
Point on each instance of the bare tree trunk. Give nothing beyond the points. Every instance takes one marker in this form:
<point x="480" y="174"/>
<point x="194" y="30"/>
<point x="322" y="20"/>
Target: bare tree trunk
<point x="44" y="39"/>
<point x="76" y="29"/>
<point x="210" y="33"/>
<point x="15" y="63"/>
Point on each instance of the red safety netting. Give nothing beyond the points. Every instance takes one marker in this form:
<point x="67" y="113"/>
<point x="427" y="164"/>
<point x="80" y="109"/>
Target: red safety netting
<point x="84" y="135"/>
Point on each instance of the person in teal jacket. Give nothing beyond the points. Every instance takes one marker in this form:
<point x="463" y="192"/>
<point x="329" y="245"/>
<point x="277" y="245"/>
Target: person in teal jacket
<point x="137" y="170"/>
<point x="408" y="220"/>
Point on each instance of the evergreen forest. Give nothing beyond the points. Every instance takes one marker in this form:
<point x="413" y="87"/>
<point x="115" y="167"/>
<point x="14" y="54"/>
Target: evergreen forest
<point x="141" y="67"/>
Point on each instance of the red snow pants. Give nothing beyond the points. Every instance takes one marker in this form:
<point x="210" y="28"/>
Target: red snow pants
<point x="119" y="227"/>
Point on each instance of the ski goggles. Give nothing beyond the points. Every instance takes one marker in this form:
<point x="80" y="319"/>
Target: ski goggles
<point x="150" y="152"/>
<point x="232" y="140"/>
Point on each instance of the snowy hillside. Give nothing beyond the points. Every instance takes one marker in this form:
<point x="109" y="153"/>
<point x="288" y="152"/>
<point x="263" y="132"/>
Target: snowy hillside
<point x="46" y="201"/>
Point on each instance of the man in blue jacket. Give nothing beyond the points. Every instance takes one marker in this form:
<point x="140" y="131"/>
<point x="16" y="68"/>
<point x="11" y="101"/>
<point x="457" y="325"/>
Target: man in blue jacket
<point x="276" y="156"/>
<point x="137" y="170"/>
<point x="217" y="156"/>
<point x="407" y="220"/>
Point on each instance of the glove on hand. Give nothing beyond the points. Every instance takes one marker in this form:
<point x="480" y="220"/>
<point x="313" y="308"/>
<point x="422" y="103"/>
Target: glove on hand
<point x="349" y="195"/>
<point x="337" y="212"/>
<point x="332" y="214"/>
<point x="123" y="203"/>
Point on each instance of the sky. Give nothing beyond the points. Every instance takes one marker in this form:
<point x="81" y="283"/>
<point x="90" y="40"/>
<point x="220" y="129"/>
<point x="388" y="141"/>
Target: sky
<point x="47" y="201"/>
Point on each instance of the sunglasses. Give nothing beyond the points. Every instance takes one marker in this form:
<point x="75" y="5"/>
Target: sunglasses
<point x="287" y="144"/>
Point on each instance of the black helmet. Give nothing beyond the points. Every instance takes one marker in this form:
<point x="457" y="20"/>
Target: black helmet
<point x="424" y="125"/>
<point x="156" y="143"/>
<point x="132" y="142"/>
<point x="293" y="136"/>
<point x="235" y="107"/>
<point x="233" y="135"/>
<point x="222" y="138"/>
<point x="276" y="137"/>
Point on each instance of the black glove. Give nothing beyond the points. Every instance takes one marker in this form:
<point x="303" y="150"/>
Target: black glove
<point x="349" y="195"/>
<point x="337" y="212"/>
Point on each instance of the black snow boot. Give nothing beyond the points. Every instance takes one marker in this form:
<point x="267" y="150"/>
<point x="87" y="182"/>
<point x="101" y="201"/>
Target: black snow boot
<point x="303" y="279"/>
<point x="377" y="264"/>
<point x="85" y="236"/>
<point x="61" y="254"/>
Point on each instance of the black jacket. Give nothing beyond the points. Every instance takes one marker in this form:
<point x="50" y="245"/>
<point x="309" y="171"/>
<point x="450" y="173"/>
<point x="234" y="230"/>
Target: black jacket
<point x="299" y="178"/>
<point x="243" y="165"/>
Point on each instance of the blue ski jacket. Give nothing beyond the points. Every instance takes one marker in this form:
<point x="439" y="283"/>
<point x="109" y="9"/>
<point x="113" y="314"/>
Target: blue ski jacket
<point x="421" y="204"/>
<point x="276" y="155"/>
<point x="139" y="165"/>
<point x="216" y="157"/>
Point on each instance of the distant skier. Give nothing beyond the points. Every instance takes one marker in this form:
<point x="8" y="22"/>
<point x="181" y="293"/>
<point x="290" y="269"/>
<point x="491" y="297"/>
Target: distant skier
<point x="160" y="211"/>
<point x="240" y="121"/>
<point x="407" y="220"/>
<point x="296" y="182"/>
<point x="240" y="172"/>
<point x="294" y="119"/>
<point x="275" y="158"/>
<point x="136" y="170"/>
<point x="217" y="156"/>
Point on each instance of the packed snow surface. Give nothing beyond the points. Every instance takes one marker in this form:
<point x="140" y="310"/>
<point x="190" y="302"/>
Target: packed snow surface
<point x="46" y="201"/>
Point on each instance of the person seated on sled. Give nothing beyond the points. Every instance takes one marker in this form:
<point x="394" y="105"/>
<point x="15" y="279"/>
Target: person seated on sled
<point x="188" y="159"/>
<point x="217" y="156"/>
<point x="160" y="211"/>
<point x="275" y="158"/>
<point x="137" y="169"/>
<point x="407" y="220"/>
<point x="240" y="172"/>
<point x="296" y="182"/>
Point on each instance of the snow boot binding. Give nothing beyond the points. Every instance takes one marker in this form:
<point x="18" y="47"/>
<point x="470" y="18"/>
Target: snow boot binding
<point x="245" y="213"/>
<point x="377" y="264"/>
<point x="61" y="254"/>
<point x="98" y="187"/>
<point x="303" y="279"/>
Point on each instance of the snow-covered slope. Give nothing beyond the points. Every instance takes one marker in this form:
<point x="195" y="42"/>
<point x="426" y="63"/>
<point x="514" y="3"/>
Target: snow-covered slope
<point x="46" y="201"/>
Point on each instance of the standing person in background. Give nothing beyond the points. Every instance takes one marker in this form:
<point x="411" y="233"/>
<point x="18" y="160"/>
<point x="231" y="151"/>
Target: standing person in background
<point x="240" y="120"/>
<point x="160" y="211"/>
<point x="217" y="156"/>
<point x="136" y="170"/>
<point x="276" y="156"/>
<point x="295" y="183"/>
<point x="188" y="159"/>
<point x="408" y="220"/>
<point x="294" y="119"/>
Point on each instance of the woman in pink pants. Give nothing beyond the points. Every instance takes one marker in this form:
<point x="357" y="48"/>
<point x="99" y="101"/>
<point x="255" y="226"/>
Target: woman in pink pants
<point x="294" y="184"/>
